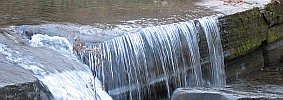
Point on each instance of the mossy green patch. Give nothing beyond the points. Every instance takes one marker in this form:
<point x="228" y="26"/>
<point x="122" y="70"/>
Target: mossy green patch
<point x="272" y="36"/>
<point x="244" y="32"/>
<point x="273" y="14"/>
<point x="247" y="46"/>
<point x="275" y="33"/>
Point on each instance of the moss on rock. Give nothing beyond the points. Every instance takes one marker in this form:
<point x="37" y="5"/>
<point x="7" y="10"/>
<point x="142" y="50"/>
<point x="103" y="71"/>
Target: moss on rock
<point x="242" y="32"/>
<point x="273" y="14"/>
<point x="275" y="33"/>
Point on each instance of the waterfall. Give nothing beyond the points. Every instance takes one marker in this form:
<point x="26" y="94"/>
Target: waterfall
<point x="136" y="64"/>
<point x="217" y="72"/>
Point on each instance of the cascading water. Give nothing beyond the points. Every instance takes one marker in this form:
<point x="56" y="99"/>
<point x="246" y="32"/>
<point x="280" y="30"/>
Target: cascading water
<point x="137" y="65"/>
<point x="216" y="58"/>
<point x="133" y="64"/>
<point x="74" y="83"/>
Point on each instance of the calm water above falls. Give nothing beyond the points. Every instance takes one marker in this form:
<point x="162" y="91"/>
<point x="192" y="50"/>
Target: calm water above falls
<point x="97" y="12"/>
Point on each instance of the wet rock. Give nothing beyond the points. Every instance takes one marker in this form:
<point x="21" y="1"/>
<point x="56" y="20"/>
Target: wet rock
<point x="187" y="94"/>
<point x="17" y="83"/>
<point x="275" y="33"/>
<point x="242" y="32"/>
<point x="26" y="91"/>
<point x="244" y="65"/>
<point x="232" y="2"/>
<point x="245" y="34"/>
<point x="223" y="94"/>
<point x="44" y="60"/>
<point x="274" y="55"/>
<point x="273" y="13"/>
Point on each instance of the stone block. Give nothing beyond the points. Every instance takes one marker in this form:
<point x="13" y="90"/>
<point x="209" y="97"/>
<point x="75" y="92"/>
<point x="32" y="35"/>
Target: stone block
<point x="17" y="83"/>
<point x="191" y="94"/>
<point x="25" y="91"/>
<point x="275" y="33"/>
<point x="244" y="65"/>
<point x="242" y="32"/>
<point x="236" y="93"/>
<point x="273" y="14"/>
<point x="274" y="55"/>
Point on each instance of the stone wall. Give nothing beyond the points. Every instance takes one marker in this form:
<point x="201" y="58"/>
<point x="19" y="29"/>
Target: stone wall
<point x="242" y="32"/>
<point x="252" y="39"/>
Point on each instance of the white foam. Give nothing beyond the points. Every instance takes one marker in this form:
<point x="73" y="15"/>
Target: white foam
<point x="22" y="60"/>
<point x="65" y="86"/>
<point x="4" y="50"/>
<point x="68" y="85"/>
<point x="53" y="42"/>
